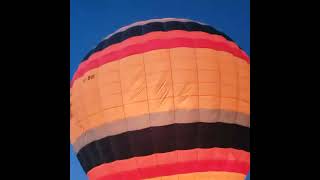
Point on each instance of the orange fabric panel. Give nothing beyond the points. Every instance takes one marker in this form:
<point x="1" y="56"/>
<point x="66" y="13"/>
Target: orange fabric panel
<point x="184" y="76"/>
<point x="186" y="89"/>
<point x="77" y="109"/>
<point x="91" y="93"/>
<point x="110" y="100"/>
<point x="113" y="114"/>
<point x="183" y="58"/>
<point x="157" y="61"/>
<point x="186" y="177"/>
<point x="162" y="80"/>
<point x="208" y="77"/>
<point x="243" y="81"/>
<point x="133" y="80"/>
<point x="136" y="109"/>
<point x="208" y="89"/>
<point x="112" y="71"/>
<point x="110" y="85"/>
<point x="169" y="178"/>
<point x="209" y="102"/>
<point x="207" y="59"/>
<point x="159" y="85"/>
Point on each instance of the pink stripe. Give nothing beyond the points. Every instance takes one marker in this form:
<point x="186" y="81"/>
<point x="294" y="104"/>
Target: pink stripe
<point x="214" y="158"/>
<point x="179" y="168"/>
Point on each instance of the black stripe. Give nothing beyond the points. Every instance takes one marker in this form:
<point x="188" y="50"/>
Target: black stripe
<point x="163" y="139"/>
<point x="151" y="27"/>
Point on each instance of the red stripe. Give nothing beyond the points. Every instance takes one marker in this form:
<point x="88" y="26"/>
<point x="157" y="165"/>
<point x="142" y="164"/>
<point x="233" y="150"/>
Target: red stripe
<point x="180" y="168"/>
<point x="176" y="162"/>
<point x="162" y="35"/>
<point x="158" y="44"/>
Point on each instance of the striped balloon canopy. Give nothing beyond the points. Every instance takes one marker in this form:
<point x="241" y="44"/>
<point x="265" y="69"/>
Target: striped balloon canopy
<point x="162" y="99"/>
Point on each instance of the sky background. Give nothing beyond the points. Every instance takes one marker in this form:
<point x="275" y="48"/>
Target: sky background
<point x="91" y="21"/>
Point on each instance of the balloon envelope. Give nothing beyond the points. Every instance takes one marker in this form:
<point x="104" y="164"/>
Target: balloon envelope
<point x="162" y="99"/>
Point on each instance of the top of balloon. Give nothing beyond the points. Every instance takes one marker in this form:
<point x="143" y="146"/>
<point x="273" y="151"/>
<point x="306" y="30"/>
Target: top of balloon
<point x="143" y="27"/>
<point x="140" y="23"/>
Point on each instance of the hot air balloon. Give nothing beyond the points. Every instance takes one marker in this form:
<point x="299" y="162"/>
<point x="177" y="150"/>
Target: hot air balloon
<point x="162" y="99"/>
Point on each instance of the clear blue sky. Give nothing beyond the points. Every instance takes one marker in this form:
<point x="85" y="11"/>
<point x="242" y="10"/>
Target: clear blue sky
<point x="91" y="21"/>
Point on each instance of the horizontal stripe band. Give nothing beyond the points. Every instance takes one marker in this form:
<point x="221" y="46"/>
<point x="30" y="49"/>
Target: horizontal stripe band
<point x="160" y="119"/>
<point x="180" y="168"/>
<point x="218" y="81"/>
<point x="157" y="35"/>
<point x="163" y="139"/>
<point x="203" y="176"/>
<point x="153" y="45"/>
<point x="151" y="27"/>
<point x="139" y="23"/>
<point x="201" y="158"/>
